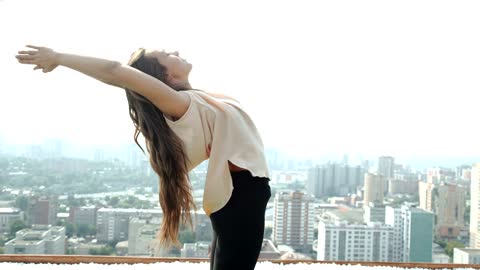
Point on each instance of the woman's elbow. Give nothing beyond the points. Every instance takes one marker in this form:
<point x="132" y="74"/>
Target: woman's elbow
<point x="112" y="73"/>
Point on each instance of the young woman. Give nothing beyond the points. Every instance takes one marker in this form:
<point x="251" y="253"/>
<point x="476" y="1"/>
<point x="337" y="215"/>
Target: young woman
<point x="183" y="127"/>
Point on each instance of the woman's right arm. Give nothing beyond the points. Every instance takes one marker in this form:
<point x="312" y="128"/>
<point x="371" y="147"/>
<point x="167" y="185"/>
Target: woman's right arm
<point x="114" y="73"/>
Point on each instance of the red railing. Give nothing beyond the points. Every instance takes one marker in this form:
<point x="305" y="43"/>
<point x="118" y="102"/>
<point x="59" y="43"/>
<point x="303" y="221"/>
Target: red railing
<point x="75" y="259"/>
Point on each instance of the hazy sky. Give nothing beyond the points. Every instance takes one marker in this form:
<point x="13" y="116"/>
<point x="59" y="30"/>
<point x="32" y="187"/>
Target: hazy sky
<point x="370" y="77"/>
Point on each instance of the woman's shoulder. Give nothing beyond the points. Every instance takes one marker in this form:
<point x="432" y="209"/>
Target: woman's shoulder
<point x="216" y="99"/>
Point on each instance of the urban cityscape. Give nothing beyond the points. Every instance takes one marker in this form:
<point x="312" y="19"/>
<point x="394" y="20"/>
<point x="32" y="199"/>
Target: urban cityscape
<point x="107" y="204"/>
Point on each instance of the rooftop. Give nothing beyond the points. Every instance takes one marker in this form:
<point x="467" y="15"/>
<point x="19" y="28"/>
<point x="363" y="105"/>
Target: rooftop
<point x="471" y="251"/>
<point x="24" y="242"/>
<point x="351" y="215"/>
<point x="9" y="210"/>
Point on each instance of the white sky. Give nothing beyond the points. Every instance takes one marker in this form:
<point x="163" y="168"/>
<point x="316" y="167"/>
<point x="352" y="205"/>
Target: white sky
<point x="368" y="77"/>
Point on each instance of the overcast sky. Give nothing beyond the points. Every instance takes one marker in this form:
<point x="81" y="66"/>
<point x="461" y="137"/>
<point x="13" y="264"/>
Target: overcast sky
<point x="367" y="77"/>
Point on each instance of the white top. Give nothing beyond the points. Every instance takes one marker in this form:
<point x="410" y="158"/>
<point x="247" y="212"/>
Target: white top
<point x="222" y="125"/>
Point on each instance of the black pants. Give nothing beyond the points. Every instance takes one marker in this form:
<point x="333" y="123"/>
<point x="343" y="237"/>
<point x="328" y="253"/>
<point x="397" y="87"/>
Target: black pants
<point x="238" y="227"/>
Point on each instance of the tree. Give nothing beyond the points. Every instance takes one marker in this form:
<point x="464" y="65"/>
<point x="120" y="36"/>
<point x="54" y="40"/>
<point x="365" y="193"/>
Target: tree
<point x="268" y="232"/>
<point x="114" y="201"/>
<point x="186" y="236"/>
<point x="2" y="251"/>
<point x="16" y="226"/>
<point x="105" y="251"/>
<point x="70" y="229"/>
<point x="21" y="202"/>
<point x="112" y="243"/>
<point x="451" y="245"/>
<point x="82" y="230"/>
<point x="92" y="230"/>
<point x="441" y="243"/>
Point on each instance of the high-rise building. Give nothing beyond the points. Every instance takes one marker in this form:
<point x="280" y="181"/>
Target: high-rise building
<point x="8" y="216"/>
<point x="99" y="155"/>
<point x="53" y="147"/>
<point x="86" y="215"/>
<point x="42" y="210"/>
<point x="293" y="221"/>
<point x="425" y="195"/>
<point x="413" y="234"/>
<point x="386" y="168"/>
<point x="340" y="241"/>
<point x="447" y="202"/>
<point x="40" y="239"/>
<point x="418" y="234"/>
<point x="438" y="175"/>
<point x="316" y="182"/>
<point x="134" y="156"/>
<point x="474" y="207"/>
<point x="374" y="189"/>
<point x="393" y="218"/>
<point x="112" y="223"/>
<point x="334" y="179"/>
<point x="374" y="213"/>
<point x="463" y="172"/>
<point x="402" y="186"/>
<point x="142" y="234"/>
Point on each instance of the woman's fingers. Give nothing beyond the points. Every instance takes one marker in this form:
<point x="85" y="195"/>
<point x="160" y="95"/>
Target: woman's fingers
<point x="37" y="67"/>
<point x="25" y="57"/>
<point x="27" y="52"/>
<point x="34" y="47"/>
<point x="23" y="61"/>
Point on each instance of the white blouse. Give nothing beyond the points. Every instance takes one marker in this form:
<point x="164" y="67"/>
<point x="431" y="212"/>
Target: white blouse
<point x="224" y="127"/>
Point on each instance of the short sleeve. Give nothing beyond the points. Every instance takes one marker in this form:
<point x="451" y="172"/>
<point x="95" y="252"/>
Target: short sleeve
<point x="187" y="117"/>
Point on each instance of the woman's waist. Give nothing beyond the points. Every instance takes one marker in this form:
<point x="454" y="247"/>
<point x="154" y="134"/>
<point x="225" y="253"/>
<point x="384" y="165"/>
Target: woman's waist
<point x="245" y="177"/>
<point x="234" y="168"/>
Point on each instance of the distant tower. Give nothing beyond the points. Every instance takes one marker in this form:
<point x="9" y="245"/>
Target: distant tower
<point x="386" y="167"/>
<point x="447" y="202"/>
<point x="99" y="155"/>
<point x="374" y="189"/>
<point x="42" y="210"/>
<point x="345" y="160"/>
<point x="294" y="219"/>
<point x="474" y="208"/>
<point x="53" y="148"/>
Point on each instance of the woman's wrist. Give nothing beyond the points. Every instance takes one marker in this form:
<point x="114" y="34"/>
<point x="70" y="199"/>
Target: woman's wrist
<point x="57" y="58"/>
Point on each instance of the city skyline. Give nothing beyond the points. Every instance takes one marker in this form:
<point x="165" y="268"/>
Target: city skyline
<point x="54" y="147"/>
<point x="315" y="77"/>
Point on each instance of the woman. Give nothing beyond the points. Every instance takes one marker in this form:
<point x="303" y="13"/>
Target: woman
<point x="183" y="127"/>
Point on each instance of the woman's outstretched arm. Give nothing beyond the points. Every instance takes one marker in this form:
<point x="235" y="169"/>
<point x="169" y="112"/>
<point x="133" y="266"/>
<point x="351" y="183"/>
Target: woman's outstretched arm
<point x="111" y="72"/>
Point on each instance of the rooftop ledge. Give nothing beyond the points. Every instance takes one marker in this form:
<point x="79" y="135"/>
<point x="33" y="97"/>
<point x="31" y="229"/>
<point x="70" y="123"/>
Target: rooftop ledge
<point x="20" y="262"/>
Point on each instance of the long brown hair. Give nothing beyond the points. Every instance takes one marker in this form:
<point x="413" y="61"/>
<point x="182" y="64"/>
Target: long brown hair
<point x="167" y="155"/>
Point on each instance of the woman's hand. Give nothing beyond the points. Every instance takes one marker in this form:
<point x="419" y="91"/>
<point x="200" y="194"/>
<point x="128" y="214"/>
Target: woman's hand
<point x="43" y="58"/>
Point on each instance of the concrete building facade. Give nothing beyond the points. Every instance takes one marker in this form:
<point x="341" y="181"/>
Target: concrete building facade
<point x="340" y="241"/>
<point x="40" y="239"/>
<point x="293" y="223"/>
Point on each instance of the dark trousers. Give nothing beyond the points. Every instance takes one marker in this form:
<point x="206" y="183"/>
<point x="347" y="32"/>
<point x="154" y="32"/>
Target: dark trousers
<point x="238" y="227"/>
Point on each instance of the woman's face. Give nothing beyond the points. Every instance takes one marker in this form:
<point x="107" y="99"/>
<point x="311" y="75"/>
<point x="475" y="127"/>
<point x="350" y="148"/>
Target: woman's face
<point x="177" y="67"/>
